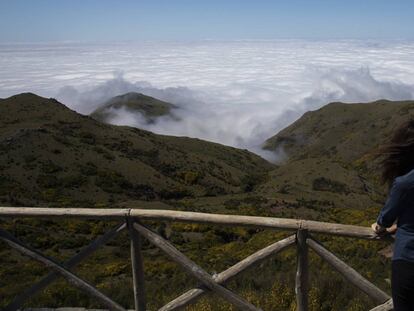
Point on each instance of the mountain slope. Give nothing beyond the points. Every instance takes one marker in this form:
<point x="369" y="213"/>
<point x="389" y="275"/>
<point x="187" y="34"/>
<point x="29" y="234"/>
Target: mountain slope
<point x="149" y="107"/>
<point x="333" y="129"/>
<point x="332" y="152"/>
<point x="50" y="154"/>
<point x="53" y="156"/>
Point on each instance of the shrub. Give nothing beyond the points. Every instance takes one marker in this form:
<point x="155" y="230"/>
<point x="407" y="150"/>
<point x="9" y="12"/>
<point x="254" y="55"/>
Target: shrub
<point x="50" y="168"/>
<point x="249" y="181"/>
<point x="326" y="184"/>
<point x="89" y="169"/>
<point x="87" y="138"/>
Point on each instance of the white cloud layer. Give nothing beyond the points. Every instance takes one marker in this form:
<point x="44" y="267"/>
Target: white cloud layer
<point x="238" y="93"/>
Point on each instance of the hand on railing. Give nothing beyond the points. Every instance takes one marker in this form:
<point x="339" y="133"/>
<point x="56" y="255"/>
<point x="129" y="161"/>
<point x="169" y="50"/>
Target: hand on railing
<point x="380" y="230"/>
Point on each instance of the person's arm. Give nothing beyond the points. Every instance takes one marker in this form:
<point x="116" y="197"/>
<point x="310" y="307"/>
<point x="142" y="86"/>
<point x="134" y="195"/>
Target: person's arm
<point x="393" y="206"/>
<point x="392" y="229"/>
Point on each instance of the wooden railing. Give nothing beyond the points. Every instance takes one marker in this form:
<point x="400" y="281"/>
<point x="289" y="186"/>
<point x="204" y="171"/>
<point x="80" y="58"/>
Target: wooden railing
<point x="131" y="221"/>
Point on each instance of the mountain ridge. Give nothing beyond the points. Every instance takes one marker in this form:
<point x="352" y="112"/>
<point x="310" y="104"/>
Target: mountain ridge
<point x="52" y="156"/>
<point x="333" y="152"/>
<point x="53" y="153"/>
<point x="149" y="107"/>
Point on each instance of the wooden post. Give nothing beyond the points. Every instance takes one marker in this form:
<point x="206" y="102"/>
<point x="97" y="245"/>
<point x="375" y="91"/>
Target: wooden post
<point x="137" y="268"/>
<point x="301" y="288"/>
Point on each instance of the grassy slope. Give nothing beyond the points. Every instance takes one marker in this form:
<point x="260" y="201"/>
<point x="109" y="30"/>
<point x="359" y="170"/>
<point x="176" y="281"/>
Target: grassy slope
<point x="332" y="153"/>
<point x="149" y="107"/>
<point x="51" y="154"/>
<point x="346" y="180"/>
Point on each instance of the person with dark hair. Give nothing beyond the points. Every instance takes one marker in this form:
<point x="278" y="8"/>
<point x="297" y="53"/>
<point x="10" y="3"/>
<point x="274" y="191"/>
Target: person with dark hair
<point x="398" y="172"/>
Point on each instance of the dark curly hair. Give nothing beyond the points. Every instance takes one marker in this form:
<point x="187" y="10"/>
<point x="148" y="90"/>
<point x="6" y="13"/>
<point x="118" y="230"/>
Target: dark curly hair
<point x="398" y="153"/>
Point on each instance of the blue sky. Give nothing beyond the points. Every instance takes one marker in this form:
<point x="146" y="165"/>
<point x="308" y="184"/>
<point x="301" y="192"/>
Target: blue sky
<point x="128" y="20"/>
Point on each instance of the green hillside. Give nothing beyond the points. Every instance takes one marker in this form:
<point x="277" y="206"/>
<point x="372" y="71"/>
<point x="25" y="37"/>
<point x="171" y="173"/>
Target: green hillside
<point x="332" y="130"/>
<point x="50" y="154"/>
<point x="150" y="107"/>
<point x="333" y="153"/>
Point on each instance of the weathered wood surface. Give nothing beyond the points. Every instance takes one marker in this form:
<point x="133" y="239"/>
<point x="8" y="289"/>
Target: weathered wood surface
<point x="302" y="273"/>
<point x="209" y="283"/>
<point x="193" y="269"/>
<point x="19" y="300"/>
<point x="72" y="278"/>
<point x="65" y="309"/>
<point x="193" y="217"/>
<point x="349" y="273"/>
<point x="253" y="260"/>
<point x="388" y="306"/>
<point x="137" y="268"/>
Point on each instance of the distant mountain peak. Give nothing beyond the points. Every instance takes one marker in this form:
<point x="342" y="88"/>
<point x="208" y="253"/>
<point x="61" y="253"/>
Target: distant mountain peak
<point x="133" y="102"/>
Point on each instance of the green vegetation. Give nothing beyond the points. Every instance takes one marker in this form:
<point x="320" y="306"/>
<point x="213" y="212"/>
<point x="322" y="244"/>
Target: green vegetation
<point x="52" y="156"/>
<point x="214" y="248"/>
<point x="326" y="184"/>
<point x="333" y="153"/>
<point x="151" y="108"/>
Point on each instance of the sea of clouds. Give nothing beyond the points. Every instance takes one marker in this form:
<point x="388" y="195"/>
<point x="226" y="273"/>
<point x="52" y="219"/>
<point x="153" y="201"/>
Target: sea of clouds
<point x="237" y="93"/>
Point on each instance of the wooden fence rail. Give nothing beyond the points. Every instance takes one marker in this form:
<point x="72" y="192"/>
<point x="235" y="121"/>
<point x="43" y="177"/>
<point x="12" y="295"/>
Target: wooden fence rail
<point x="131" y="220"/>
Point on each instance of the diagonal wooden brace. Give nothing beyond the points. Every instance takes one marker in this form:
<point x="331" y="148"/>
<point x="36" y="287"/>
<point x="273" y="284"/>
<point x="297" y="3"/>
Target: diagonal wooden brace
<point x="19" y="300"/>
<point x="194" y="269"/>
<point x="51" y="263"/>
<point x="387" y="306"/>
<point x="349" y="273"/>
<point x="193" y="294"/>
